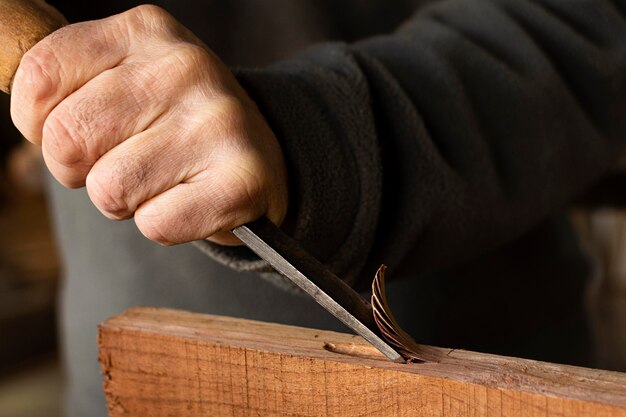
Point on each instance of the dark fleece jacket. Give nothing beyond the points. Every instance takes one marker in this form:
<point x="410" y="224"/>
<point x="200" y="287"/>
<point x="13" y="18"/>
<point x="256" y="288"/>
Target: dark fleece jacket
<point x="469" y="125"/>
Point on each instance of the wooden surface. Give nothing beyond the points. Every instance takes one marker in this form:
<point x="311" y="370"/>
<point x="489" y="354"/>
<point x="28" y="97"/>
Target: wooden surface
<point x="159" y="362"/>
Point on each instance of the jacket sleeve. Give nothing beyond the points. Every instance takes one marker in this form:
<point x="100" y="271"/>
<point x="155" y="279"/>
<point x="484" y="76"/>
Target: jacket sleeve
<point x="472" y="122"/>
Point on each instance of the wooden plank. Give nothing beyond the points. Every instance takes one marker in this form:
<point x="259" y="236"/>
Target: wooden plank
<point x="159" y="362"/>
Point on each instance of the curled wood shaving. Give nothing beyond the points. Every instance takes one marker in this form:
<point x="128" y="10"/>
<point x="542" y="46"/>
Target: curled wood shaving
<point x="391" y="330"/>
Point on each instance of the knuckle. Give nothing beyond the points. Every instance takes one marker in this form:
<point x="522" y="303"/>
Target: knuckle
<point x="39" y="73"/>
<point x="109" y="195"/>
<point x="190" y="57"/>
<point x="62" y="138"/>
<point x="148" y="18"/>
<point x="230" y="107"/>
<point x="184" y="65"/>
<point x="151" y="11"/>
<point x="142" y="82"/>
<point x="191" y="52"/>
<point x="34" y="86"/>
<point x="156" y="227"/>
<point x="228" y="114"/>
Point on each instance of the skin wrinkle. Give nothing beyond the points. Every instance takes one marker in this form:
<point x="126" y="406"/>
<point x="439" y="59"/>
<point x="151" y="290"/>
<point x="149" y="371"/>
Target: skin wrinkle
<point x="131" y="182"/>
<point x="130" y="173"/>
<point x="86" y="119"/>
<point x="140" y="23"/>
<point x="154" y="21"/>
<point x="156" y="223"/>
<point x="58" y="141"/>
<point x="38" y="75"/>
<point x="38" y="79"/>
<point x="217" y="199"/>
<point x="252" y="195"/>
<point x="102" y="199"/>
<point x="107" y="46"/>
<point x="144" y="97"/>
<point x="134" y="72"/>
<point x="82" y="116"/>
<point x="92" y="119"/>
<point x="43" y="55"/>
<point x="194" y="157"/>
<point x="150" y="128"/>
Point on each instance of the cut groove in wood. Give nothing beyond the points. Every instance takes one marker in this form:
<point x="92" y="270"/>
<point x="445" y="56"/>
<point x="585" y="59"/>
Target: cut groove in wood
<point x="159" y="362"/>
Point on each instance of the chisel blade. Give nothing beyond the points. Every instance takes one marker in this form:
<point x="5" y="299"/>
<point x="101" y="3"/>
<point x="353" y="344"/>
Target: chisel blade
<point x="290" y="259"/>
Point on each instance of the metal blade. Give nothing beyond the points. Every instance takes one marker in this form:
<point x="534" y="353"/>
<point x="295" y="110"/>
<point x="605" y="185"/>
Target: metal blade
<point x="290" y="259"/>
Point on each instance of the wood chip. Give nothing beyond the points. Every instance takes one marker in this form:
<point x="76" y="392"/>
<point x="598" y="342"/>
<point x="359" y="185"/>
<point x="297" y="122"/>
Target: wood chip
<point x="391" y="331"/>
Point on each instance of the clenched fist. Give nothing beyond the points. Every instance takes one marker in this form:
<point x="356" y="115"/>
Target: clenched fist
<point x="136" y="108"/>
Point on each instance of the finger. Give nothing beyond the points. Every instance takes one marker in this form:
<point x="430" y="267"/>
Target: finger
<point x="199" y="209"/>
<point x="144" y="166"/>
<point x="110" y="108"/>
<point x="63" y="62"/>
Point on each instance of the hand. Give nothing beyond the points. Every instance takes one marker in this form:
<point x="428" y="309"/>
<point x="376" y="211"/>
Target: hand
<point x="136" y="108"/>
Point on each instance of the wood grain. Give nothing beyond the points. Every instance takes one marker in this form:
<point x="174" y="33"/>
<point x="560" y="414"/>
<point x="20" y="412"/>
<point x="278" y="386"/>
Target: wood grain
<point x="159" y="362"/>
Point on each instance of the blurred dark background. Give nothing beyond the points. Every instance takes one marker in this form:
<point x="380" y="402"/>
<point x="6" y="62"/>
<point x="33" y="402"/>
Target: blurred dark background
<point x="30" y="380"/>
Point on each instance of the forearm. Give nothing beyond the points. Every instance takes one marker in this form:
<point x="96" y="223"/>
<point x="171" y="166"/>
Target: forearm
<point x="520" y="105"/>
<point x="455" y="134"/>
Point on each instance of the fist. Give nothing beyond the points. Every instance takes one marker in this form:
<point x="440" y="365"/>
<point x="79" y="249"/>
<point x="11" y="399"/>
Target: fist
<point x="138" y="110"/>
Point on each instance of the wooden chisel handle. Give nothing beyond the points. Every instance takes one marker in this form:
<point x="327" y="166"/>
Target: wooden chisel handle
<point x="23" y="23"/>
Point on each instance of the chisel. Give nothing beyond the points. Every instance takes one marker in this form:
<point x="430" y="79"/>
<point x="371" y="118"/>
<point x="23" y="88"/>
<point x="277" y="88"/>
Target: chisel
<point x="26" y="22"/>
<point x="291" y="260"/>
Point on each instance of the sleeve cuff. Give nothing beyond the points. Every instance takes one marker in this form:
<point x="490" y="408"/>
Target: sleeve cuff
<point x="319" y="108"/>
